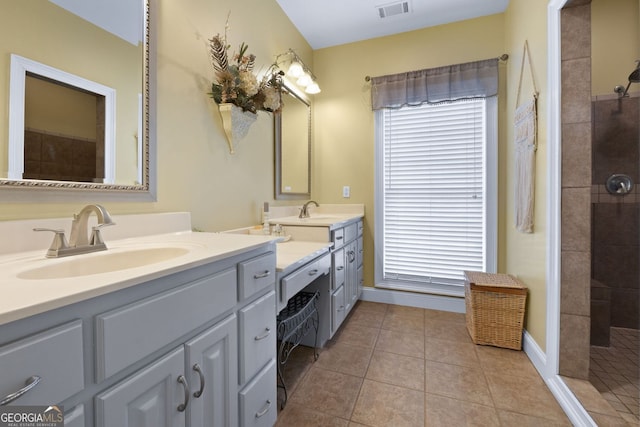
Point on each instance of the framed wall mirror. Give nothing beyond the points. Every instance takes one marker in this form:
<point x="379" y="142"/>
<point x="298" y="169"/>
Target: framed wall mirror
<point x="92" y="59"/>
<point x="293" y="147"/>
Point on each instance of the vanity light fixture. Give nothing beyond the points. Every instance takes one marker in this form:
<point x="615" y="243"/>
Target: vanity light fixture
<point x="298" y="71"/>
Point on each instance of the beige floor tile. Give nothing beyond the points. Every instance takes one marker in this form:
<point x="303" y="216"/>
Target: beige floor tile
<point x="589" y="397"/>
<point x="446" y="412"/>
<point x="505" y="361"/>
<point x="445" y="316"/>
<point x="345" y="358"/>
<point x="403" y="310"/>
<point x="329" y="392"/>
<point x="353" y="334"/>
<point x="451" y="331"/>
<point x="608" y="420"/>
<point x="458" y="382"/>
<point x="378" y="307"/>
<point x="369" y="318"/>
<point x="386" y="405"/>
<point x="451" y="352"/>
<point x="406" y="343"/>
<point x="300" y="416"/>
<point x="530" y="397"/>
<point x="402" y="322"/>
<point x="396" y="369"/>
<point x="514" y="419"/>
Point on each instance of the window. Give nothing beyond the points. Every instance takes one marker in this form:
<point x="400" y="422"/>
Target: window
<point x="436" y="173"/>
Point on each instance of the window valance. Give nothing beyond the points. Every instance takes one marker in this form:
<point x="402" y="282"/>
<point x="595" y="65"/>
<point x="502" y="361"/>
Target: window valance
<point x="477" y="79"/>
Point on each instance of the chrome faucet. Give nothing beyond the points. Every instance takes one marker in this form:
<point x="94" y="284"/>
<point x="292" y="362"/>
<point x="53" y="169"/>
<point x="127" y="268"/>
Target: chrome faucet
<point x="79" y="240"/>
<point x="304" y="211"/>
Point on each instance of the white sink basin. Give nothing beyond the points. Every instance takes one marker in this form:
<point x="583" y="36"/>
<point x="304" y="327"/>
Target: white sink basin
<point x="103" y="262"/>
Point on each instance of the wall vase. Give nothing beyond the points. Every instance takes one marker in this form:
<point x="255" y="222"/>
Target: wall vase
<point x="236" y="122"/>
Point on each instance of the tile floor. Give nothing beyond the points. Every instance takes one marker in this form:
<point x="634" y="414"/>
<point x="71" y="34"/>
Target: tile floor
<point x="615" y="374"/>
<point x="402" y="366"/>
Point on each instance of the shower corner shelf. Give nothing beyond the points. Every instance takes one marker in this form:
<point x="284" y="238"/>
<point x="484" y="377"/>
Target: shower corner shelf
<point x="295" y="321"/>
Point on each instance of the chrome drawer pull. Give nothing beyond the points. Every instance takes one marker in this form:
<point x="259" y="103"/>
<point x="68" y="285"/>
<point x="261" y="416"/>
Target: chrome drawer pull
<point x="182" y="380"/>
<point x="261" y="275"/>
<point x="339" y="238"/>
<point x="313" y="272"/>
<point x="198" y="369"/>
<point x="264" y="335"/>
<point x="265" y="410"/>
<point x="340" y="267"/>
<point x="31" y="382"/>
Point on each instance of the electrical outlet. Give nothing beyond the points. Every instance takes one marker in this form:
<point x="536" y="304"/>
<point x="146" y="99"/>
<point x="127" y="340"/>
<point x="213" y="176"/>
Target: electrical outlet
<point x="346" y="191"/>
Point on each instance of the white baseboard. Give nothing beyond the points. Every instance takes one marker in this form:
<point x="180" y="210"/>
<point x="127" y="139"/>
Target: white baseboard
<point x="567" y="400"/>
<point x="412" y="299"/>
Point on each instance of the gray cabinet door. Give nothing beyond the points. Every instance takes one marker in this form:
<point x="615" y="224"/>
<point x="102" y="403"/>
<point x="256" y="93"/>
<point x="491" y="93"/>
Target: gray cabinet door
<point x="148" y="398"/>
<point x="215" y="352"/>
<point x="351" y="275"/>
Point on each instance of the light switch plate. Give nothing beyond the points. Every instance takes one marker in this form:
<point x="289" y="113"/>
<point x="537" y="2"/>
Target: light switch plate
<point x="346" y="191"/>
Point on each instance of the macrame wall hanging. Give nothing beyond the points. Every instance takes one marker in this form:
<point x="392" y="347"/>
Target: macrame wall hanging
<point x="525" y="139"/>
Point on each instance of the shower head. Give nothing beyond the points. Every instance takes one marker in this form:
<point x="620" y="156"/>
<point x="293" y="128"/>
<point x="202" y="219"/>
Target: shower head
<point x="634" y="77"/>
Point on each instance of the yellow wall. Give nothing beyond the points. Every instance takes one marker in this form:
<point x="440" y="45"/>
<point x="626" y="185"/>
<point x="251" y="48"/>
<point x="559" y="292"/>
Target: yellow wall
<point x="344" y="133"/>
<point x="615" y="44"/>
<point x="524" y="254"/>
<point x="196" y="173"/>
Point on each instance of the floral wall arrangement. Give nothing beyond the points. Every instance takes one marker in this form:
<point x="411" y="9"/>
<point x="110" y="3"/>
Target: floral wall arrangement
<point x="236" y="82"/>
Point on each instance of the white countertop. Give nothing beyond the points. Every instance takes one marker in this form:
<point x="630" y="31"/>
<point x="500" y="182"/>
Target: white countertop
<point x="25" y="297"/>
<point x="294" y="254"/>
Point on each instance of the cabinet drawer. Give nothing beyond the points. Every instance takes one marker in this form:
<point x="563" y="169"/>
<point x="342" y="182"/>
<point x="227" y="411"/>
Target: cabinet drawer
<point x="360" y="228"/>
<point x="256" y="274"/>
<point x="337" y="309"/>
<point x="55" y="355"/>
<point x="295" y="282"/>
<point x="337" y="237"/>
<point x="257" y="335"/>
<point x="128" y="334"/>
<point x="258" y="400"/>
<point x="338" y="265"/>
<point x="360" y="251"/>
<point x="350" y="232"/>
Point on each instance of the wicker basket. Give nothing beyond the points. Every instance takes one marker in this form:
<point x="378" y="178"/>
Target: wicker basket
<point x="495" y="309"/>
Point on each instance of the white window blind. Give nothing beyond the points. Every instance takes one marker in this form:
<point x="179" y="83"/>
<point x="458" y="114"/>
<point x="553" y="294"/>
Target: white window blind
<point x="433" y="188"/>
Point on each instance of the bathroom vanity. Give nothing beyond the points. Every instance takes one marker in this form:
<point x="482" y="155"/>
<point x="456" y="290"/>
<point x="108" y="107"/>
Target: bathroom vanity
<point x="342" y="230"/>
<point x="177" y="342"/>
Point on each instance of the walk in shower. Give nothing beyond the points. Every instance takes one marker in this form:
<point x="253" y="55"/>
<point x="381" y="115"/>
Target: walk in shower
<point x="615" y="250"/>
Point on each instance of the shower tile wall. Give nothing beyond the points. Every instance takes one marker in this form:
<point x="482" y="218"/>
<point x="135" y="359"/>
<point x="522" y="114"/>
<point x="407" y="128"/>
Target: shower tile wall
<point x="576" y="190"/>
<point x="616" y="219"/>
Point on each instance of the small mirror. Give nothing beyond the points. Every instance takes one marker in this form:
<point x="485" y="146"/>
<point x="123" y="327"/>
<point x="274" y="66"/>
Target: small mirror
<point x="293" y="147"/>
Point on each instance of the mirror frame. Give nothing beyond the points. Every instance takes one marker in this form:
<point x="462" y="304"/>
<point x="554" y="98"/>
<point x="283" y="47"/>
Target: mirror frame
<point x="43" y="191"/>
<point x="277" y="117"/>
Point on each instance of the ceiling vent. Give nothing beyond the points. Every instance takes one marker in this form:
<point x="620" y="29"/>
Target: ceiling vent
<point x="392" y="9"/>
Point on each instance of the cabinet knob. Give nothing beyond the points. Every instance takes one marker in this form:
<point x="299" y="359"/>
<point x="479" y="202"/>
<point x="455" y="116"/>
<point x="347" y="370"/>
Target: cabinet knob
<point x="183" y="406"/>
<point x="29" y="384"/>
<point x="198" y="369"/>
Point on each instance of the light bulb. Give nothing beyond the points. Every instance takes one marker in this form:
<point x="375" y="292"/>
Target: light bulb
<point x="295" y="69"/>
<point x="304" y="80"/>
<point x="313" y="88"/>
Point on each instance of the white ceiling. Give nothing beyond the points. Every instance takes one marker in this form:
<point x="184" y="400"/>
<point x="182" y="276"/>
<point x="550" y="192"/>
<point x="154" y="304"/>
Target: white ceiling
<point x="325" y="23"/>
